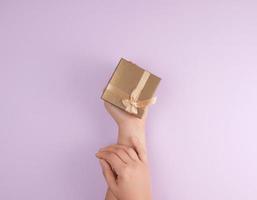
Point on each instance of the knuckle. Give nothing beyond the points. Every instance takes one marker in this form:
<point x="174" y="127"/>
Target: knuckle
<point x="131" y="150"/>
<point x="111" y="156"/>
<point x="125" y="148"/>
<point x="119" y="151"/>
<point x="126" y="172"/>
<point x="108" y="155"/>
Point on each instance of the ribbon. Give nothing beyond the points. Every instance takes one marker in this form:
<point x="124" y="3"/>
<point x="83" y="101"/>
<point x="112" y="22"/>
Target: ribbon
<point x="131" y="102"/>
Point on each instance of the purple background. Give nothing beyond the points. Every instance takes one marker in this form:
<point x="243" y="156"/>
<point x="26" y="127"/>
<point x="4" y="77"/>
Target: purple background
<point x="55" y="59"/>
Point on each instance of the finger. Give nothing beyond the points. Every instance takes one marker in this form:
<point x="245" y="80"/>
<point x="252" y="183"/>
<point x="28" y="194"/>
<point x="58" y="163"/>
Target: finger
<point x="130" y="151"/>
<point x="120" y="151"/>
<point x="108" y="174"/>
<point x="145" y="113"/>
<point x="116" y="163"/>
<point x="107" y="105"/>
<point x="140" y="149"/>
<point x="111" y="108"/>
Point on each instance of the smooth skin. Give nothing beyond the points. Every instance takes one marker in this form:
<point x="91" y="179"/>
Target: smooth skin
<point x="125" y="165"/>
<point x="128" y="125"/>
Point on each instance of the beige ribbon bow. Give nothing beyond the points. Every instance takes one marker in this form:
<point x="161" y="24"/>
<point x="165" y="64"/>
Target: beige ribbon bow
<point x="132" y="104"/>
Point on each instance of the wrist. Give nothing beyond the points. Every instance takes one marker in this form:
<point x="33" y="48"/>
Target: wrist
<point x="128" y="130"/>
<point x="132" y="126"/>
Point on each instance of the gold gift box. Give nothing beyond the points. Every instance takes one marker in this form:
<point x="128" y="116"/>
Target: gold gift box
<point x="131" y="88"/>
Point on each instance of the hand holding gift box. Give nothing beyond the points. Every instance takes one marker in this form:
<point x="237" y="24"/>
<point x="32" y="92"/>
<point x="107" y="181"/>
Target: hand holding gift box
<point x="131" y="88"/>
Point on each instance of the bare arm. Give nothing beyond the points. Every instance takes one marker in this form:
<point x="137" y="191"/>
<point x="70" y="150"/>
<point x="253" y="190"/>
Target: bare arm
<point x="128" y="126"/>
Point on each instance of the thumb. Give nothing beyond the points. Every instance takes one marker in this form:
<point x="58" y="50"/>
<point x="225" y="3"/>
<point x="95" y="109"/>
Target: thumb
<point x="108" y="174"/>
